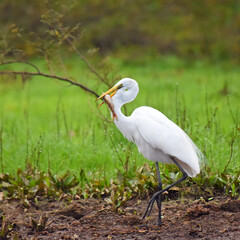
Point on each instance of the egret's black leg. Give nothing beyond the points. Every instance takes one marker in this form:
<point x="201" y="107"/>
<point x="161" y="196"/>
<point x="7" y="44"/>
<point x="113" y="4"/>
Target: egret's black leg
<point x="155" y="196"/>
<point x="159" y="198"/>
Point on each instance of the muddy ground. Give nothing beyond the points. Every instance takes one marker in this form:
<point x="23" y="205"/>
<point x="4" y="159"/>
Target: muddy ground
<point x="95" y="219"/>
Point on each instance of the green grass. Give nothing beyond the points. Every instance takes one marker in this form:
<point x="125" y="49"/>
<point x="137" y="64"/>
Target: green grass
<point x="53" y="125"/>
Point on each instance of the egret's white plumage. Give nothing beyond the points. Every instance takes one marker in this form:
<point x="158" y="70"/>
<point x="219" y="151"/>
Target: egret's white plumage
<point x="155" y="135"/>
<point x="157" y="138"/>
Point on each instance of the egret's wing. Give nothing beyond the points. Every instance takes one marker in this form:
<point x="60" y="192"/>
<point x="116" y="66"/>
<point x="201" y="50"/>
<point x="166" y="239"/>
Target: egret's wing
<point x="161" y="133"/>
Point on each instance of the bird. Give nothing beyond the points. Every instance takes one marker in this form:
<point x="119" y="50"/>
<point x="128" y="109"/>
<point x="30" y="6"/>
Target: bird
<point x="158" y="138"/>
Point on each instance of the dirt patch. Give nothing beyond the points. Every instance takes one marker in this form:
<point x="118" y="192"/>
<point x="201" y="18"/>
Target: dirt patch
<point x="94" y="219"/>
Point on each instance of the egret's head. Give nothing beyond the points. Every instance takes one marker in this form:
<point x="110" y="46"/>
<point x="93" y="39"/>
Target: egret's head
<point x="123" y="92"/>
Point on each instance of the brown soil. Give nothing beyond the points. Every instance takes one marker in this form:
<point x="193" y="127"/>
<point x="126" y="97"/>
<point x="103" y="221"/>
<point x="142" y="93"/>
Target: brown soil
<point x="94" y="219"/>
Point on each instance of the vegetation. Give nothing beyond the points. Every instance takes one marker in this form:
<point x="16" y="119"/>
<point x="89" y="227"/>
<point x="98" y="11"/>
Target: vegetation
<point x="190" y="29"/>
<point x="58" y="135"/>
<point x="55" y="142"/>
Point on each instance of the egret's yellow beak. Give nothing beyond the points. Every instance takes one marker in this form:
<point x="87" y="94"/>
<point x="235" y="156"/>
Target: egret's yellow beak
<point x="113" y="91"/>
<point x="107" y="98"/>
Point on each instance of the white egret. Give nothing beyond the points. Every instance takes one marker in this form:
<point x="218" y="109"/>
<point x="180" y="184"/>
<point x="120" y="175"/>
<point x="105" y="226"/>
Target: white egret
<point x="157" y="138"/>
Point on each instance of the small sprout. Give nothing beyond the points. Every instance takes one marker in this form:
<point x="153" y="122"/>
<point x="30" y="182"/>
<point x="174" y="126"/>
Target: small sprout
<point x="6" y="227"/>
<point x="41" y="224"/>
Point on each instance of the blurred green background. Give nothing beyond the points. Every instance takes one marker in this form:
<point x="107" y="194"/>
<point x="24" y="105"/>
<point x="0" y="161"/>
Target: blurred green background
<point x="190" y="29"/>
<point x="184" y="54"/>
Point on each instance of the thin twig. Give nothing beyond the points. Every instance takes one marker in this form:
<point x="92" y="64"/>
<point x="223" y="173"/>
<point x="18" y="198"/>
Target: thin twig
<point x="20" y="61"/>
<point x="49" y="76"/>
<point x="231" y="112"/>
<point x="65" y="122"/>
<point x="115" y="148"/>
<point x="1" y="148"/>
<point x="231" y="152"/>
<point x="91" y="68"/>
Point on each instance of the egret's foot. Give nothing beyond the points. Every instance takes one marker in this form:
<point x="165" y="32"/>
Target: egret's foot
<point x="150" y="206"/>
<point x="159" y="223"/>
<point x="144" y="226"/>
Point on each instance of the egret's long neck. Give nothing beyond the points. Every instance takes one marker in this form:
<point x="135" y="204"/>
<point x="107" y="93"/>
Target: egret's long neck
<point x="124" y="95"/>
<point x="123" y="123"/>
<point x="120" y="116"/>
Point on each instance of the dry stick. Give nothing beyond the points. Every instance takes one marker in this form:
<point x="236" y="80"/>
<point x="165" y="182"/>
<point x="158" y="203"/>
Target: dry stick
<point x="28" y="136"/>
<point x="115" y="148"/>
<point x="233" y="136"/>
<point x="20" y="61"/>
<point x="57" y="118"/>
<point x="65" y="122"/>
<point x="92" y="69"/>
<point x="231" y="153"/>
<point x="231" y="112"/>
<point x="1" y="148"/>
<point x="49" y="76"/>
<point x="39" y="73"/>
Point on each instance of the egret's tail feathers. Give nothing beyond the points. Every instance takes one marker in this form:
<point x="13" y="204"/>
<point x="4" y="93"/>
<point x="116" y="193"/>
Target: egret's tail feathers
<point x="201" y="158"/>
<point x="191" y="172"/>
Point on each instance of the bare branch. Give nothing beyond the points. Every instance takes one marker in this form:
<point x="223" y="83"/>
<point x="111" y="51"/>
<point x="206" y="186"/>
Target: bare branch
<point x="231" y="112"/>
<point x="49" y="76"/>
<point x="231" y="152"/>
<point x="20" y="61"/>
<point x="91" y="68"/>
